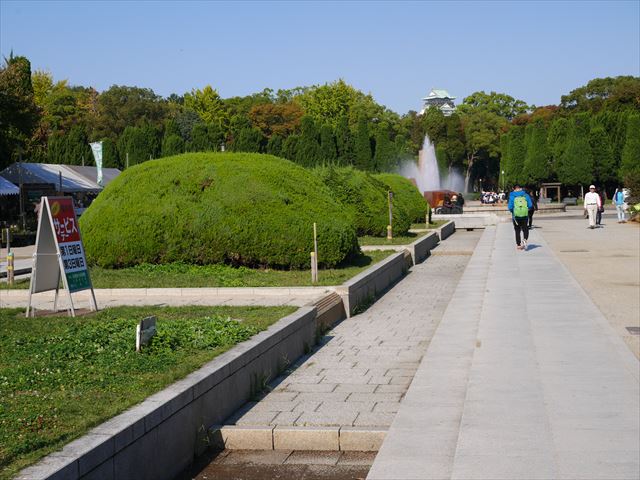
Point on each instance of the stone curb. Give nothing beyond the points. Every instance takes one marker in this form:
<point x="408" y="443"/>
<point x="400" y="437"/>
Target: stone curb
<point x="182" y="292"/>
<point x="242" y="437"/>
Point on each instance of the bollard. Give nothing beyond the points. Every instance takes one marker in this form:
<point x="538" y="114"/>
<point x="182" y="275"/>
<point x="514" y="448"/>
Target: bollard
<point x="314" y="268"/>
<point x="10" y="269"/>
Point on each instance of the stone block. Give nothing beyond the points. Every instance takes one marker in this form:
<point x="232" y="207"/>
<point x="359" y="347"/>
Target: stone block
<point x="362" y="439"/>
<point x="303" y="438"/>
<point x="238" y="437"/>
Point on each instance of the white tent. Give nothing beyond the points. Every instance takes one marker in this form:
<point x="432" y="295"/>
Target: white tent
<point x="8" y="188"/>
<point x="73" y="179"/>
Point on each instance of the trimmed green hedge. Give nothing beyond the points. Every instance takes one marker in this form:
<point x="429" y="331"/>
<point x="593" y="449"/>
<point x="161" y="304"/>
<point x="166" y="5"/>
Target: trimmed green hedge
<point x="205" y="208"/>
<point x="366" y="198"/>
<point x="406" y="196"/>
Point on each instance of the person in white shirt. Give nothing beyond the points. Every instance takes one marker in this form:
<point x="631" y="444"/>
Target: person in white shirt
<point x="592" y="203"/>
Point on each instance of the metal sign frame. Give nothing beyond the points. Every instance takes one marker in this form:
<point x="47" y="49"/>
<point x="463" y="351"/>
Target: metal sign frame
<point x="48" y="266"/>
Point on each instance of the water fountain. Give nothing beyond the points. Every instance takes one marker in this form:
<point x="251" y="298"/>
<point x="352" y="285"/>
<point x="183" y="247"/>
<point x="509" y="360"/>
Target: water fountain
<point x="426" y="175"/>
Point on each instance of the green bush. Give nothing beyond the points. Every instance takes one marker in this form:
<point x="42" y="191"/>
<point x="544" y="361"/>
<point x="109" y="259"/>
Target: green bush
<point x="366" y="199"/>
<point x="206" y="208"/>
<point x="406" y="196"/>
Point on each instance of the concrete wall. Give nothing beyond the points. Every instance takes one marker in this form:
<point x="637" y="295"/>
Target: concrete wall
<point x="420" y="248"/>
<point x="368" y="285"/>
<point x="160" y="437"/>
<point x="446" y="230"/>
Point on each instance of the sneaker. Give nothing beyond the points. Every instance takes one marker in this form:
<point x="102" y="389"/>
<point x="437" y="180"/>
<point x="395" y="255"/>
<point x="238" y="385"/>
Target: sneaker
<point x="524" y="245"/>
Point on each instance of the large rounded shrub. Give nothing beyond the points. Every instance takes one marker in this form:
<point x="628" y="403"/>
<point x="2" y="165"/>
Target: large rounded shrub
<point x="204" y="208"/>
<point x="406" y="196"/>
<point x="366" y="198"/>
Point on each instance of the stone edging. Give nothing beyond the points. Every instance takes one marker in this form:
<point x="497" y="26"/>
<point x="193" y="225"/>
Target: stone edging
<point x="446" y="230"/>
<point x="241" y="437"/>
<point x="366" y="286"/>
<point x="184" y="292"/>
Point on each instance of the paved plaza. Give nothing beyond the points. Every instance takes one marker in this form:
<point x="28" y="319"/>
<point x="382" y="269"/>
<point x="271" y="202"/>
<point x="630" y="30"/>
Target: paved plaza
<point x="524" y="378"/>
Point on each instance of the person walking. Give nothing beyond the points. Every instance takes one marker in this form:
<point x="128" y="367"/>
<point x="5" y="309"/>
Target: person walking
<point x="519" y="205"/>
<point x="591" y="205"/>
<point x="600" y="208"/>
<point x="532" y="210"/>
<point x="618" y="201"/>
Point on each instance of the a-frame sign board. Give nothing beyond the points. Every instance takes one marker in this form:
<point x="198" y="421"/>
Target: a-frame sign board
<point x="59" y="253"/>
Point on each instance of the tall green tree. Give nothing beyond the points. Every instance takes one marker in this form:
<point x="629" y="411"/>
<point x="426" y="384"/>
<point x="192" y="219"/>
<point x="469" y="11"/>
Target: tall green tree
<point x="482" y="130"/>
<point x="516" y="153"/>
<point x="172" y="145"/>
<point x="290" y="147"/>
<point x="610" y="93"/>
<point x="557" y="142"/>
<point x="18" y="111"/>
<point x="120" y="107"/>
<point x="274" y="145"/>
<point x="110" y="157"/>
<point x="139" y="143"/>
<point x="576" y="167"/>
<point x="308" y="148"/>
<point x="344" y="142"/>
<point x="384" y="156"/>
<point x="77" y="151"/>
<point x="630" y="163"/>
<point x="249" y="140"/>
<point x="536" y="163"/>
<point x="205" y="138"/>
<point x="605" y="169"/>
<point x="435" y="125"/>
<point x="209" y="106"/>
<point x="500" y="104"/>
<point x="363" y="145"/>
<point x="328" y="151"/>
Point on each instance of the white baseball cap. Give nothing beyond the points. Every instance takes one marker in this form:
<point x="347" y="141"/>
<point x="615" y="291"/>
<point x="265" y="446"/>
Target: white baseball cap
<point x="592" y="186"/>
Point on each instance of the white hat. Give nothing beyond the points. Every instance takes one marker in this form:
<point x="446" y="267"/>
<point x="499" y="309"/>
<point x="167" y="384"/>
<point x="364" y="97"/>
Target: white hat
<point x="592" y="186"/>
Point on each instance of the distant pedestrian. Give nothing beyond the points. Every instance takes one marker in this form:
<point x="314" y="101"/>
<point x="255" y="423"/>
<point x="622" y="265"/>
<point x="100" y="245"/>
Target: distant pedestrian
<point x="600" y="208"/>
<point x="532" y="210"/>
<point x="618" y="201"/>
<point x="592" y="204"/>
<point x="519" y="205"/>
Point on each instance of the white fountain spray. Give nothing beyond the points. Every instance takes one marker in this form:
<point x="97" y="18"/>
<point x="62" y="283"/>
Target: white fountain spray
<point x="425" y="173"/>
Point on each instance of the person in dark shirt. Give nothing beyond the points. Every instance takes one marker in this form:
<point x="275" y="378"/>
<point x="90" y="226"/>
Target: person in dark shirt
<point x="533" y="208"/>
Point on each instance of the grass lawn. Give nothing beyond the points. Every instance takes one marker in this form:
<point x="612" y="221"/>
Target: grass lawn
<point x="405" y="239"/>
<point x="178" y="275"/>
<point x="61" y="376"/>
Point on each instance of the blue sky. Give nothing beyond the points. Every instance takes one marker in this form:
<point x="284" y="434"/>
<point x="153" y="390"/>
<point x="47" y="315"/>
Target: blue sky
<point x="397" y="51"/>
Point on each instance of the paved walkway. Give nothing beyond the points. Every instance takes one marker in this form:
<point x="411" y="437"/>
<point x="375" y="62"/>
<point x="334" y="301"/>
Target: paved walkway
<point x="606" y="263"/>
<point x="361" y="371"/>
<point x="524" y="379"/>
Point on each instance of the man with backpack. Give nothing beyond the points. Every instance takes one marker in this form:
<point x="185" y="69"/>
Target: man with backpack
<point x="519" y="205"/>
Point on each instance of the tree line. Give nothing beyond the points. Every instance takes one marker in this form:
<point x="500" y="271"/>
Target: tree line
<point x="49" y="121"/>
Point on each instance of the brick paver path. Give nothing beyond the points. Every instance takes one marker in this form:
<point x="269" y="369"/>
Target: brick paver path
<point x="364" y="365"/>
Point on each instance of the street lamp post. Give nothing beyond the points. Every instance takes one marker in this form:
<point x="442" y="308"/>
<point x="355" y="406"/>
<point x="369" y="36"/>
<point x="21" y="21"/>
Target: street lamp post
<point x="503" y="180"/>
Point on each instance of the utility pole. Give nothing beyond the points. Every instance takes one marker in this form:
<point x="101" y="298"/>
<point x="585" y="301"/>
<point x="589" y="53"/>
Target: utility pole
<point x="22" y="213"/>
